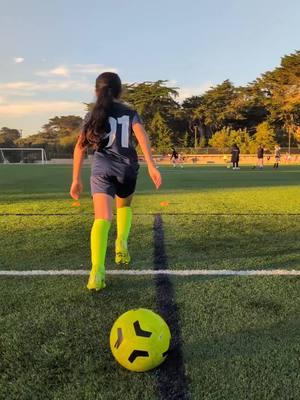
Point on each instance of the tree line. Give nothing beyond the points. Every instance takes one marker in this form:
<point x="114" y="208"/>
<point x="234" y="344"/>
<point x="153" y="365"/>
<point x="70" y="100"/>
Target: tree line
<point x="266" y="111"/>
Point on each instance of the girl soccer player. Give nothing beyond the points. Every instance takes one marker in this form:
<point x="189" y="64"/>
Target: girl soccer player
<point x="277" y="156"/>
<point x="235" y="156"/>
<point x="109" y="129"/>
<point x="174" y="157"/>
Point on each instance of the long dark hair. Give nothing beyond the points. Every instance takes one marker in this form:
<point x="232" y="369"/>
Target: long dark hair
<point x="108" y="86"/>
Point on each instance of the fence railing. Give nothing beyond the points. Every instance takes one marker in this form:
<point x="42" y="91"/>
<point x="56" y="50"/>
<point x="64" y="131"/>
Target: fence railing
<point x="182" y="150"/>
<point x="212" y="150"/>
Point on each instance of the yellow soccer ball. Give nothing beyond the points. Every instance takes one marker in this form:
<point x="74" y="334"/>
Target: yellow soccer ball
<point x="140" y="340"/>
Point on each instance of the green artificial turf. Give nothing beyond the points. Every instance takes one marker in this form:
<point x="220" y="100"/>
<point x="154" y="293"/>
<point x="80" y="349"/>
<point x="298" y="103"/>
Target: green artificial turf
<point x="240" y="335"/>
<point x="241" y="338"/>
<point x="233" y="242"/>
<point x="60" y="242"/>
<point x="54" y="339"/>
<point x="193" y="241"/>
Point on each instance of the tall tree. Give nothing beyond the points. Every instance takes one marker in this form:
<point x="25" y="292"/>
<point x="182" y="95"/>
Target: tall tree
<point x="265" y="135"/>
<point x="57" y="135"/>
<point x="8" y="137"/>
<point x="62" y="126"/>
<point x="281" y="94"/>
<point x="224" y="139"/>
<point x="151" y="99"/>
<point x="160" y="131"/>
<point x="215" y="109"/>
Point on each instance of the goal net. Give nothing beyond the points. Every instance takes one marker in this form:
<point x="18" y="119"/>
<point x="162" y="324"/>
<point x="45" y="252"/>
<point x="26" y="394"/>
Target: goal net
<point x="19" y="155"/>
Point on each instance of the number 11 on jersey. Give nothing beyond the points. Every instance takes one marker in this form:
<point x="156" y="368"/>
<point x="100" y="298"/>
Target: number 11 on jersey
<point x="124" y="122"/>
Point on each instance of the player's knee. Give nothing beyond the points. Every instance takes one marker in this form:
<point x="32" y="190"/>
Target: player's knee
<point x="106" y="215"/>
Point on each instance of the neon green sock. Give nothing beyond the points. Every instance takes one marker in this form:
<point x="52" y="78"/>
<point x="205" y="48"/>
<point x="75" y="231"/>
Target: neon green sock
<point x="124" y="218"/>
<point x="99" y="236"/>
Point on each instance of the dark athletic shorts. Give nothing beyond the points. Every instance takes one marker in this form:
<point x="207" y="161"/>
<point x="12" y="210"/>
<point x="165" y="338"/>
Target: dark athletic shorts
<point x="112" y="185"/>
<point x="113" y="177"/>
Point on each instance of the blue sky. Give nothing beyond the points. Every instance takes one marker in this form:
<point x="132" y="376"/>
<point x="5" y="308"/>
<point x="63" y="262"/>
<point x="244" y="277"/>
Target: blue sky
<point x="51" y="52"/>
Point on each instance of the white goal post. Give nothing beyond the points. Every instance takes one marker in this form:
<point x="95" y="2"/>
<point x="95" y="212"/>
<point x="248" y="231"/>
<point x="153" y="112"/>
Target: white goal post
<point x="22" y="155"/>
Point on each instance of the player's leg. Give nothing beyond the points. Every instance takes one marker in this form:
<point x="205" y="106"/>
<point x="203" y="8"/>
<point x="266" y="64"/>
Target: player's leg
<point x="124" y="220"/>
<point x="103" y="193"/>
<point x="99" y="237"/>
<point x="125" y="189"/>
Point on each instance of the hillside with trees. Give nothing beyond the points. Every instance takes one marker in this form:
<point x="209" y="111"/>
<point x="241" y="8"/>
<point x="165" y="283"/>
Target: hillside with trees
<point x="266" y="111"/>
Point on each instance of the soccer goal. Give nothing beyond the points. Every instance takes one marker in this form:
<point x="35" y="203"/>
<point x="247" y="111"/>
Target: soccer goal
<point x="22" y="155"/>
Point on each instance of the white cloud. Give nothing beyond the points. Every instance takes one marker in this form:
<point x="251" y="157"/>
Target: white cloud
<point x="76" y="69"/>
<point x="19" y="60"/>
<point x="92" y="69"/>
<point x="58" y="71"/>
<point x="15" y="85"/>
<point x="36" y="107"/>
<point x="30" y="88"/>
<point x="2" y="100"/>
<point x="188" y="91"/>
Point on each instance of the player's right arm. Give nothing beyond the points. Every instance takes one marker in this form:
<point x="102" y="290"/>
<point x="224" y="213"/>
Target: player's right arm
<point x="78" y="157"/>
<point x="144" y="143"/>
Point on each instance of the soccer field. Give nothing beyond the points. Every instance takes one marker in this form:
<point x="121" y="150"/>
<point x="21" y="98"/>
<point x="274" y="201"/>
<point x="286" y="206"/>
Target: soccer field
<point x="237" y="337"/>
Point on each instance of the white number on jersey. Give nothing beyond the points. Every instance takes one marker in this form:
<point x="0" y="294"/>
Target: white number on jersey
<point x="124" y="122"/>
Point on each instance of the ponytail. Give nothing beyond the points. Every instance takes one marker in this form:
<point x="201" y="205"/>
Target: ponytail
<point x="108" y="87"/>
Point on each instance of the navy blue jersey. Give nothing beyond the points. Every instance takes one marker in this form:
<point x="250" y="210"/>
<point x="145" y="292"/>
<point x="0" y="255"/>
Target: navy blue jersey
<point x="260" y="152"/>
<point x="235" y="154"/>
<point x="174" y="154"/>
<point x="116" y="152"/>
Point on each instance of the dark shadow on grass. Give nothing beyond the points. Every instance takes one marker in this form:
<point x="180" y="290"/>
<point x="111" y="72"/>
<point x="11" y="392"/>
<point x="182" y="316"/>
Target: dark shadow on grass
<point x="234" y="245"/>
<point x="246" y="343"/>
<point x="253" y="363"/>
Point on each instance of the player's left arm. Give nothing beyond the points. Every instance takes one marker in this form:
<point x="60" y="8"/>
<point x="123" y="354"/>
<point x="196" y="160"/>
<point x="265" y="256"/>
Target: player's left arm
<point x="144" y="142"/>
<point x="78" y="157"/>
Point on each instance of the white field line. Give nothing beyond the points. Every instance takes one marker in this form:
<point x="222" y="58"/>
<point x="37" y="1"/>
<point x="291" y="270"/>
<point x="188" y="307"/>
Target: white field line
<point x="188" y="272"/>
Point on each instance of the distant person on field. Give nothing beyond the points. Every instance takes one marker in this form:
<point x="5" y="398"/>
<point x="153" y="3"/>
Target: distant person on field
<point x="277" y="156"/>
<point x="260" y="156"/>
<point x="235" y="156"/>
<point x="180" y="160"/>
<point x="174" y="157"/>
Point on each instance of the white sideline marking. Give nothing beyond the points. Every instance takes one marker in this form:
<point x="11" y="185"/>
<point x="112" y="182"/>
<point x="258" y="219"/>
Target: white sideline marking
<point x="189" y="272"/>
